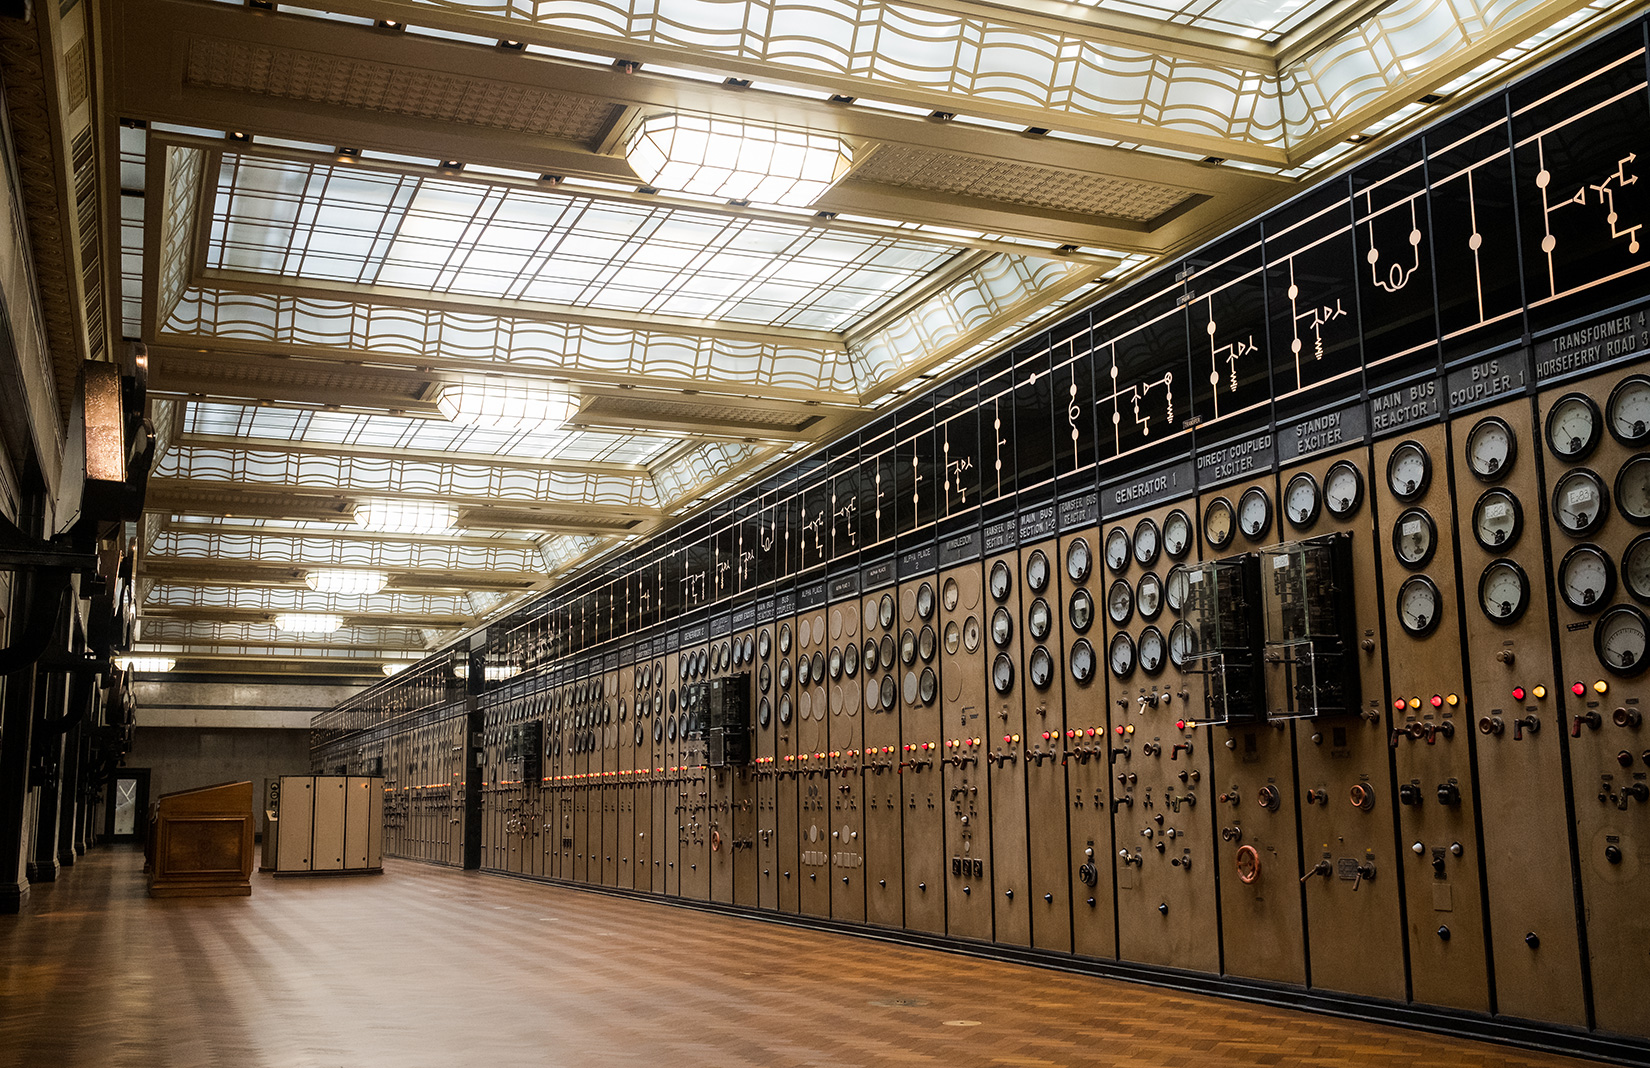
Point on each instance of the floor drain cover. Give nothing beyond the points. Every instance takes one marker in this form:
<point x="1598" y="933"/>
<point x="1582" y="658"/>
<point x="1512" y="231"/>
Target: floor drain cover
<point x="962" y="1023"/>
<point x="899" y="1003"/>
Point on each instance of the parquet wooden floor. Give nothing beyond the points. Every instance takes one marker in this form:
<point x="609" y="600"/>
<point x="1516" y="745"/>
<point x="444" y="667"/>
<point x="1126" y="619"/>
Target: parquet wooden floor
<point x="426" y="967"/>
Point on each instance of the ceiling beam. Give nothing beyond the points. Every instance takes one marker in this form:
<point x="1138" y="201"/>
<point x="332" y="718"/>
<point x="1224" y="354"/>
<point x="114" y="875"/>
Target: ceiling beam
<point x="354" y="534"/>
<point x="263" y="572"/>
<point x="366" y="452"/>
<point x="229" y="614"/>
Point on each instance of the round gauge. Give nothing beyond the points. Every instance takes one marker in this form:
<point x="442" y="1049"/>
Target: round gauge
<point x="1002" y="673"/>
<point x="1586" y="578"/>
<point x="624" y="710"/>
<point x="784" y="674"/>
<point x="1491" y="448"/>
<point x="785" y="710"/>
<point x="1120" y="601"/>
<point x="1254" y="513"/>
<point x="1302" y="501"/>
<point x="659" y="671"/>
<point x="953" y="637"/>
<point x="683" y="666"/>
<point x="1572" y="427"/>
<point x="1080" y="611"/>
<point x="725" y="656"/>
<point x="908" y="647"/>
<point x="1152" y="648"/>
<point x="870" y="654"/>
<point x="1217" y="523"/>
<point x="928" y="686"/>
<point x="1148" y="595"/>
<point x="764" y="678"/>
<point x="1118" y="549"/>
<point x="1635" y="568"/>
<point x="785" y="639"/>
<point x="670" y="730"/>
<point x="888" y="693"/>
<point x="1182" y="643"/>
<point x="658" y="702"/>
<point x="703" y="669"/>
<point x="764" y="713"/>
<point x="1627" y="413"/>
<point x="1343" y="489"/>
<point x="1619" y="640"/>
<point x="1148" y="542"/>
<point x="1002" y="627"/>
<point x="834" y="664"/>
<point x="1418" y="606"/>
<point x="925" y="601"/>
<point x="1078" y="560"/>
<point x="638" y="678"/>
<point x="1001" y="581"/>
<point x="1177" y="534"/>
<point x="804" y="671"/>
<point x="1121" y="655"/>
<point x="1580" y="502"/>
<point x="672" y="701"/>
<point x="1414" y="538"/>
<point x="1082" y="661"/>
<point x="1503" y="591"/>
<point x="1037" y="571"/>
<point x="1409" y="471"/>
<point x="1633" y="489"/>
<point x="950" y="594"/>
<point x="819" y="666"/>
<point x="1039" y="620"/>
<point x="1497" y="520"/>
<point x="1176" y="588"/>
<point x="925" y="644"/>
<point x="971" y="634"/>
<point x="885" y="650"/>
<point x="1040" y="668"/>
<point x="748" y="647"/>
<point x="658" y="730"/>
<point x="885" y="611"/>
<point x="850" y="660"/>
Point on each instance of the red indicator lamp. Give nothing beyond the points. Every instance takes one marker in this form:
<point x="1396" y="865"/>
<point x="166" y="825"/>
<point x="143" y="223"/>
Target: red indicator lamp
<point x="1518" y="693"/>
<point x="1579" y="688"/>
<point x="1437" y="701"/>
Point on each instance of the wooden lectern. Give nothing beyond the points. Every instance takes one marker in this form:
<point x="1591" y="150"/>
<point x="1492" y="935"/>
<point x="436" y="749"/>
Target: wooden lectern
<point x="200" y="842"/>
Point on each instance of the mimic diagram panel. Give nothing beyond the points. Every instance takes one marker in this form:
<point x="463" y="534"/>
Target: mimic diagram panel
<point x="1280" y="617"/>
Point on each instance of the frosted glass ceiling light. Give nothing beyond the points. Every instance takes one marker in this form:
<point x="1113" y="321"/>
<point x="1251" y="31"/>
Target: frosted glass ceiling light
<point x="308" y="622"/>
<point x="405" y="517"/>
<point x="147" y="663"/>
<point x="736" y="160"/>
<point x="337" y="580"/>
<point x="506" y="404"/>
<point x="395" y="667"/>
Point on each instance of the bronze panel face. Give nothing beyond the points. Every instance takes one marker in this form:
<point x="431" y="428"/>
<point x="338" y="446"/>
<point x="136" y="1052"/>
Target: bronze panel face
<point x="953" y="755"/>
<point x="884" y="772"/>
<point x="845" y="733"/>
<point x="1084" y="748"/>
<point x="816" y="783"/>
<point x="916" y="707"/>
<point x="1043" y="750"/>
<point x="1001" y="747"/>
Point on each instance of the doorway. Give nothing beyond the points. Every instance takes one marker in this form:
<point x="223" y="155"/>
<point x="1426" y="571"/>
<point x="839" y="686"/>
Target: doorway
<point x="128" y="806"/>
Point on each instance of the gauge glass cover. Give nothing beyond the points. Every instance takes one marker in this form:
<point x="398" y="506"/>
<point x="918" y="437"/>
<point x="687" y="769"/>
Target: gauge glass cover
<point x="1078" y="560"/>
<point x="1497" y="520"/>
<point x="1491" y="448"/>
<point x="1586" y="578"/>
<point x="1572" y="427"/>
<point x="1414" y="538"/>
<point x="1580" y="502"/>
<point x="1147" y="542"/>
<point x="1177" y="534"/>
<point x="1503" y="592"/>
<point x="1409" y="471"/>
<point x="1120" y="601"/>
<point x="1217" y="523"/>
<point x="1302" y="501"/>
<point x="1254" y="513"/>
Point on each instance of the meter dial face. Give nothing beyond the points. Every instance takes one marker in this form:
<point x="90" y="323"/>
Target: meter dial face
<point x="1580" y="502"/>
<point x="926" y="642"/>
<point x="1491" y="448"/>
<point x="1152" y="649"/>
<point x="1120" y="658"/>
<point x="1175" y="588"/>
<point x="1633" y="489"/>
<point x="764" y="713"/>
<point x="1409" y="471"/>
<point x="804" y="671"/>
<point x="1302" y="501"/>
<point x="888" y="692"/>
<point x="953" y="638"/>
<point x="1080" y="612"/>
<point x="1002" y="673"/>
<point x="1040" y="668"/>
<point x="784" y="674"/>
<point x="908" y="647"/>
<point x="659" y="671"/>
<point x="885" y="611"/>
<point x="1039" y="620"/>
<point x="1002" y="627"/>
<point x="1635" y="568"/>
<point x="1503" y="591"/>
<point x="885" y="651"/>
<point x="833" y="666"/>
<point x="971" y="634"/>
<point x="1572" y="427"/>
<point x="1497" y="520"/>
<point x="1627" y="413"/>
<point x="925" y="601"/>
<point x="1148" y="595"/>
<point x="1343" y="489"/>
<point x="785" y="710"/>
<point x="1001" y="581"/>
<point x="1418" y="606"/>
<point x="1120" y="601"/>
<point x="1082" y="661"/>
<point x="1037" y="571"/>
<point x="1117" y="549"/>
<point x="764" y="678"/>
<point x="1177" y="534"/>
<point x="850" y="660"/>
<point x="1182" y="643"/>
<point x="1148" y="542"/>
<point x="870" y="654"/>
<point x="1218" y="523"/>
<point x="928" y="686"/>
<point x="1254" y="513"/>
<point x="1619" y="640"/>
<point x="1586" y="578"/>
<point x="950" y="594"/>
<point x="1414" y="538"/>
<point x="1079" y="560"/>
<point x="785" y="639"/>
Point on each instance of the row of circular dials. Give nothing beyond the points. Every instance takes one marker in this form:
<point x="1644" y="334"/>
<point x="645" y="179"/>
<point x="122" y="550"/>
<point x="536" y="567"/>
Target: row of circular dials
<point x="1146" y="596"/>
<point x="702" y="663"/>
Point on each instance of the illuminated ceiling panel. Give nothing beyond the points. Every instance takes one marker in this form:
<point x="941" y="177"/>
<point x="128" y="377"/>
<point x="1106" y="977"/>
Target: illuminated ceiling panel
<point x="1262" y="20"/>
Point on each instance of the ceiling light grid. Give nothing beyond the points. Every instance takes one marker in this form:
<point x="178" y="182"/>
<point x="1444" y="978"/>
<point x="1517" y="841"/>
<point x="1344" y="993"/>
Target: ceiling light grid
<point x="167" y="593"/>
<point x="737" y="160"/>
<point x="370" y="641"/>
<point x="370" y="551"/>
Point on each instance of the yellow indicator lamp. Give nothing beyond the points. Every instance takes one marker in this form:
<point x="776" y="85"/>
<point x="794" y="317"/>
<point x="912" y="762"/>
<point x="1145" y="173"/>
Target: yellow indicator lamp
<point x="1540" y="692"/>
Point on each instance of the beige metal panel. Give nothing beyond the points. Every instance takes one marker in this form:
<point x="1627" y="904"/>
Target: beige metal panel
<point x="327" y="849"/>
<point x="1047" y="832"/>
<point x="359" y="831"/>
<point x="1002" y="742"/>
<point x="297" y="816"/>
<point x="815" y="785"/>
<point x="375" y="824"/>
<point x="965" y="615"/>
<point x="764" y="739"/>
<point x="888" y="767"/>
<point x="845" y="735"/>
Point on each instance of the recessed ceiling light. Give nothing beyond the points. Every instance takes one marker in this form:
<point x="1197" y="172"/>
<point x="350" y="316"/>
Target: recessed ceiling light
<point x="506" y="403"/>
<point x="627" y="66"/>
<point x="737" y="160"/>
<point x="838" y="98"/>
<point x="390" y="24"/>
<point x="238" y="136"/>
<point x="347" y="153"/>
<point x="512" y="46"/>
<point x="451" y="165"/>
<point x="550" y="179"/>
<point x="308" y="622"/>
<point x="147" y="663"/>
<point x="1035" y="131"/>
<point x="345" y="580"/>
<point x="737" y="83"/>
<point x="942" y="116"/>
<point x="390" y="516"/>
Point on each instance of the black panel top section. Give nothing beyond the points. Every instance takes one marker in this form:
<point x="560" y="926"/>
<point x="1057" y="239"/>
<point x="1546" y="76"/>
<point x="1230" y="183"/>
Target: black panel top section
<point x="1136" y="492"/>
<point x="960" y="548"/>
<point x="846" y="585"/>
<point x="875" y="576"/>
<point x="811" y="593"/>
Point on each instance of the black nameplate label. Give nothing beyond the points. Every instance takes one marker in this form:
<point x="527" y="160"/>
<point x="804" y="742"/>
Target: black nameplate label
<point x="914" y="562"/>
<point x="1485" y="380"/>
<point x="877" y="575"/>
<point x="810" y="595"/>
<point x="1322" y="432"/>
<point x="1000" y="535"/>
<point x="1396" y="409"/>
<point x="845" y="586"/>
<point x="1083" y="510"/>
<point x="673" y="641"/>
<point x="785" y="604"/>
<point x="744" y="618"/>
<point x="960" y="548"/>
<point x="722" y="624"/>
<point x="610" y="662"/>
<point x="1143" y="491"/>
<point x="1592" y="344"/>
<point x="1236" y="459"/>
<point x="765" y="611"/>
<point x="1039" y="523"/>
<point x="695" y="634"/>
